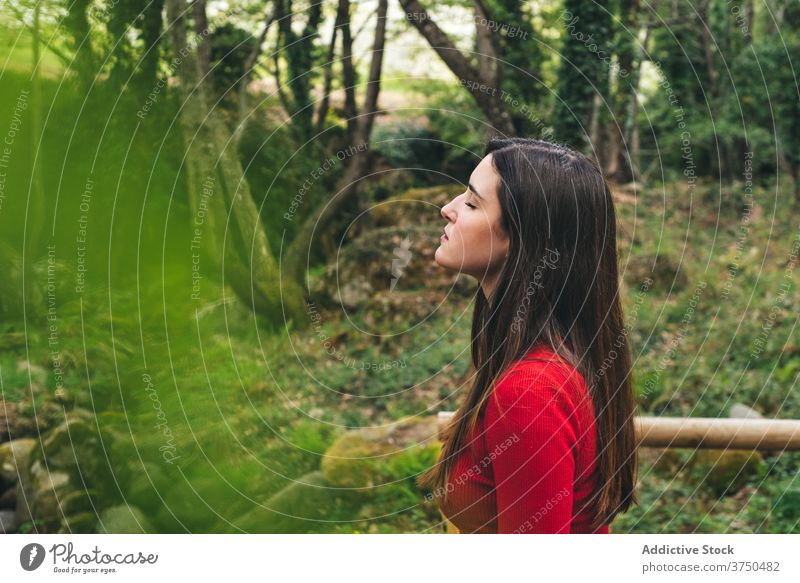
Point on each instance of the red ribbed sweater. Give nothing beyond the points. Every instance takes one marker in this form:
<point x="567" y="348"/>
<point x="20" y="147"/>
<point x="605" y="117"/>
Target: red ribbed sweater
<point x="532" y="469"/>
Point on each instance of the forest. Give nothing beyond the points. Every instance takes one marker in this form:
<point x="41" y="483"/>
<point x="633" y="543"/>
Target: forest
<point x="219" y="309"/>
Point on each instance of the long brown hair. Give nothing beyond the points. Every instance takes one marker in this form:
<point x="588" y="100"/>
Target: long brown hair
<point x="555" y="202"/>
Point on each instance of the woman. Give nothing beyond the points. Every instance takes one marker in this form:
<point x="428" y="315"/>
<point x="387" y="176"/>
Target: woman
<point x="535" y="448"/>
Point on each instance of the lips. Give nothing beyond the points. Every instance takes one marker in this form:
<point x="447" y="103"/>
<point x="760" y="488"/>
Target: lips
<point x="444" y="236"/>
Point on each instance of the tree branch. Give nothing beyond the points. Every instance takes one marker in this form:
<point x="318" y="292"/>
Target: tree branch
<point x="322" y="113"/>
<point x="482" y="89"/>
<point x="249" y="63"/>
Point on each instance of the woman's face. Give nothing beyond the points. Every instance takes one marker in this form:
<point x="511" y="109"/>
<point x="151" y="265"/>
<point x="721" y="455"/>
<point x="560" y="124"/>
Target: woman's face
<point x="474" y="242"/>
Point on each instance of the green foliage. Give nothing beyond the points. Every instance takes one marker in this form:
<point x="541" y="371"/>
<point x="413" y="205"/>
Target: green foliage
<point x="522" y="62"/>
<point x="284" y="176"/>
<point x="787" y="506"/>
<point x="454" y="119"/>
<point x="303" y="53"/>
<point x="230" y="48"/>
<point x="583" y="74"/>
<point x="766" y="98"/>
<point x="411" y="147"/>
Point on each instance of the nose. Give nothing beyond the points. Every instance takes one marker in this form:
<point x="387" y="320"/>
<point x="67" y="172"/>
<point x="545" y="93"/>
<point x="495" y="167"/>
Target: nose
<point x="446" y="212"/>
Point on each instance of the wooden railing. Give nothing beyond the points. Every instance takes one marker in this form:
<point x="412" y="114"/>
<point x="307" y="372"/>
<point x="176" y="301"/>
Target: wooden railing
<point x="708" y="432"/>
<point x="750" y="433"/>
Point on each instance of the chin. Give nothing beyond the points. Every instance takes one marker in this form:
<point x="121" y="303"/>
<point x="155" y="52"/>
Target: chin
<point x="441" y="261"/>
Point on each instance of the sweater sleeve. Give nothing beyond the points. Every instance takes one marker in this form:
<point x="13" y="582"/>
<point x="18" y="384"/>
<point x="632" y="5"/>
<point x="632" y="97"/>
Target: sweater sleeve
<point x="531" y="430"/>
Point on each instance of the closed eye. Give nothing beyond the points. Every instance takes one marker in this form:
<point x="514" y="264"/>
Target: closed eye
<point x="470" y="205"/>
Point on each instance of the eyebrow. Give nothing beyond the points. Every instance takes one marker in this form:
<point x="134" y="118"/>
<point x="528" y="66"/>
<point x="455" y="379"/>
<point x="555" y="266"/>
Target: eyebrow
<point x="472" y="188"/>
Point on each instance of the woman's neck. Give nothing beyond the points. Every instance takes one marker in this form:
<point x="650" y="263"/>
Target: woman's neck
<point x="489" y="284"/>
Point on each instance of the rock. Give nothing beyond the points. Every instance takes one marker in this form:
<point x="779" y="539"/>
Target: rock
<point x="123" y="519"/>
<point x="180" y="505"/>
<point x="669" y="463"/>
<point x="72" y="442"/>
<point x="14" y="473"/>
<point x="48" y="414"/>
<point x="14" y="455"/>
<point x="77" y="502"/>
<point x="48" y="488"/>
<point x="8" y="420"/>
<point x="353" y="293"/>
<point x="23" y="451"/>
<point x="725" y="472"/>
<point x="8" y="522"/>
<point x="415" y="207"/>
<point x="354" y="461"/>
<point x="357" y="458"/>
<point x="8" y="500"/>
<point x="75" y="448"/>
<point x="395" y="256"/>
<point x="364" y="473"/>
<point x="739" y="411"/>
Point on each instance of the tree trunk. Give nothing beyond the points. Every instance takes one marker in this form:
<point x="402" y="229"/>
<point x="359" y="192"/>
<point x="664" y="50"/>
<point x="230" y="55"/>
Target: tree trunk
<point x="595" y="131"/>
<point x="322" y="112"/>
<point x="348" y="73"/>
<point x="201" y="27"/>
<point x="319" y="220"/>
<point x="230" y="237"/>
<point x="298" y="50"/>
<point x="151" y="30"/>
<point x="487" y="96"/>
<point x="618" y="166"/>
<point x="249" y="64"/>
<point x="483" y="40"/>
<point x="747" y="16"/>
<point x="631" y="154"/>
<point x="84" y="63"/>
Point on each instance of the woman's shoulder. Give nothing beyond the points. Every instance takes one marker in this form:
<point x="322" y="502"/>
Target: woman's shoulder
<point x="538" y="396"/>
<point x="543" y="361"/>
<point x="541" y="376"/>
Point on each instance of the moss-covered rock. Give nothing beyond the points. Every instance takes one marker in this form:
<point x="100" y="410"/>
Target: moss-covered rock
<point x="51" y="490"/>
<point x="15" y="472"/>
<point x="48" y="487"/>
<point x="14" y="456"/>
<point x="725" y="472"/>
<point x="310" y="504"/>
<point x="9" y="420"/>
<point x="123" y="519"/>
<point x="77" y="502"/>
<point x="669" y="462"/>
<point x="8" y="499"/>
<point x="362" y="458"/>
<point x="63" y="446"/>
<point x="365" y="473"/>
<point x="394" y="255"/>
